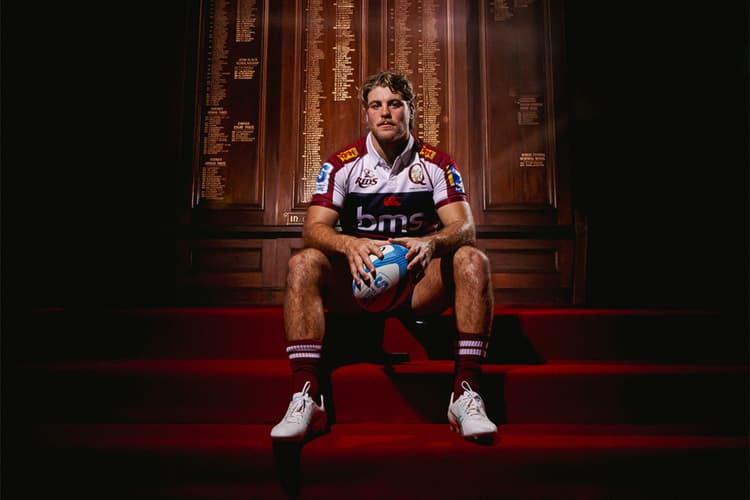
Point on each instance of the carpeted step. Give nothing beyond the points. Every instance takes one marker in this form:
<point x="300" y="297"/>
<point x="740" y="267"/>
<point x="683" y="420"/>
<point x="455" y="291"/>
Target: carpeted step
<point x="241" y="391"/>
<point x="368" y="461"/>
<point x="520" y="335"/>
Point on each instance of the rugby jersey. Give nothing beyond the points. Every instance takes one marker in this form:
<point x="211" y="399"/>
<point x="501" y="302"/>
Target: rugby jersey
<point x="377" y="201"/>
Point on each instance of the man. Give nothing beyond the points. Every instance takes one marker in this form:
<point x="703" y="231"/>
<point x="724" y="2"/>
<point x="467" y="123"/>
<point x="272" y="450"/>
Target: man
<point x="388" y="185"/>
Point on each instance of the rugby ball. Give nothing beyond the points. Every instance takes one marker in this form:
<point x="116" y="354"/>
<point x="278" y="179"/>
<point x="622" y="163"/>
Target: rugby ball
<point x="391" y="283"/>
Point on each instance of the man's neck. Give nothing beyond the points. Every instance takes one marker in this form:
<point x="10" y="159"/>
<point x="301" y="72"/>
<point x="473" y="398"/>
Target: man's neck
<point x="390" y="150"/>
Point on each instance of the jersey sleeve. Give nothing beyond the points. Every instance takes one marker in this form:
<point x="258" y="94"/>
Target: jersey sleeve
<point x="330" y="185"/>
<point x="449" y="186"/>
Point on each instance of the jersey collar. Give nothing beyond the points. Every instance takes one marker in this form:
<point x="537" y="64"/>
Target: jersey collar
<point x="399" y="163"/>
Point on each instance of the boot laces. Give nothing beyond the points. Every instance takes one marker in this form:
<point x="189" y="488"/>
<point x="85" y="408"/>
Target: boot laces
<point x="471" y="401"/>
<point x="297" y="407"/>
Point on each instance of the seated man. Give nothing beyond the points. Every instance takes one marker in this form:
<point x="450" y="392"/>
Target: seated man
<point x="427" y="211"/>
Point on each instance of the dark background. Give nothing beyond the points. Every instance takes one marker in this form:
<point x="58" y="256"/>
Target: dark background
<point x="91" y="152"/>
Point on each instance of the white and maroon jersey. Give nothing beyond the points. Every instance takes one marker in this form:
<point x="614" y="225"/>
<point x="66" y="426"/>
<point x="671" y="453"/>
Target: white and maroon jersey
<point x="377" y="201"/>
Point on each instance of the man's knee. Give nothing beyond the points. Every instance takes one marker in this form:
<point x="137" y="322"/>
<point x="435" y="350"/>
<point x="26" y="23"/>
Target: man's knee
<point x="471" y="262"/>
<point x="306" y="266"/>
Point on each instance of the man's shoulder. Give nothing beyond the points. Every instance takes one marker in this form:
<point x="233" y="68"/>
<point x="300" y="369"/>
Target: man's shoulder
<point x="432" y="154"/>
<point x="349" y="152"/>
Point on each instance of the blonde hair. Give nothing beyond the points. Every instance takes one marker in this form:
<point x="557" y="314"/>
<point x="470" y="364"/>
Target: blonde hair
<point x="397" y="82"/>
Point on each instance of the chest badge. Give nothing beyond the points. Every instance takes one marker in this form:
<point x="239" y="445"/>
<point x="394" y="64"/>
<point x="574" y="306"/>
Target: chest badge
<point x="416" y="174"/>
<point x="366" y="179"/>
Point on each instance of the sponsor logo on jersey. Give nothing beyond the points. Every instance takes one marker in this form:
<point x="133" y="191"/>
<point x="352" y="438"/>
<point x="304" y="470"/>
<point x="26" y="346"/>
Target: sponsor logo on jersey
<point x="454" y="178"/>
<point x="389" y="223"/>
<point x="366" y="179"/>
<point x="428" y="153"/>
<point x="391" y="201"/>
<point x="348" y="154"/>
<point x="324" y="177"/>
<point x="416" y="174"/>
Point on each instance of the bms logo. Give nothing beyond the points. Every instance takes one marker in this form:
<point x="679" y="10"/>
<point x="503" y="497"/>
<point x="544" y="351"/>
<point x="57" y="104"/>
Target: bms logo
<point x="389" y="223"/>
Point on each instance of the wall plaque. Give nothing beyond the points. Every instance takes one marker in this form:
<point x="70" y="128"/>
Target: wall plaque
<point x="232" y="103"/>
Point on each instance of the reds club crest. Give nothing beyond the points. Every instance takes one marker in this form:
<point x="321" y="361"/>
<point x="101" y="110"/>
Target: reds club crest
<point x="416" y="174"/>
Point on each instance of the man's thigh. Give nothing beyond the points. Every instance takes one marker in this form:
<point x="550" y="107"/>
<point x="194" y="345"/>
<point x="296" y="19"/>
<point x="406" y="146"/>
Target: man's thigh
<point x="434" y="292"/>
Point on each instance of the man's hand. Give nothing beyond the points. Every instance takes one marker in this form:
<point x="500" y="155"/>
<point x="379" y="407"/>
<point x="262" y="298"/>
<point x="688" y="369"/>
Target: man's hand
<point x="358" y="251"/>
<point x="420" y="252"/>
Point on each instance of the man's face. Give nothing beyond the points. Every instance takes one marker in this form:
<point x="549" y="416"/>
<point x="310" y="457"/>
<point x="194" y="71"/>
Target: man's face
<point x="388" y="115"/>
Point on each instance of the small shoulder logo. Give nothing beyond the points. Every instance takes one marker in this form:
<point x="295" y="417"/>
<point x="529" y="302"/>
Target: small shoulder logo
<point x="428" y="153"/>
<point x="348" y="154"/>
<point x="324" y="177"/>
<point x="454" y="178"/>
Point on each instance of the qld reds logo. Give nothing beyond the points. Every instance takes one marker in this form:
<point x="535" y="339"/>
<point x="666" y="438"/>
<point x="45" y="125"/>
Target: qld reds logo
<point x="367" y="180"/>
<point x="416" y="174"/>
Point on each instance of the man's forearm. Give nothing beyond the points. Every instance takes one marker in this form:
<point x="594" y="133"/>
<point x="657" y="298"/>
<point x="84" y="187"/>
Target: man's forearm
<point x="325" y="238"/>
<point x="451" y="237"/>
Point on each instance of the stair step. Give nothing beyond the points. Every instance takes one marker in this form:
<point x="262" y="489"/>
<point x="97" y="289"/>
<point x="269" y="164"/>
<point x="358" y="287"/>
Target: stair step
<point x="520" y="335"/>
<point x="380" y="461"/>
<point x="258" y="392"/>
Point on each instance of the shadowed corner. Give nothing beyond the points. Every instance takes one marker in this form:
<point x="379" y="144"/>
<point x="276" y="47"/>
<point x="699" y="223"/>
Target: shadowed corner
<point x="437" y="335"/>
<point x="288" y="460"/>
<point x="508" y="343"/>
<point x="349" y="339"/>
<point x="287" y="456"/>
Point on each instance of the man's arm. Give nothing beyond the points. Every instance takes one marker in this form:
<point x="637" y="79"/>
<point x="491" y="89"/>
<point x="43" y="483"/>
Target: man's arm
<point x="319" y="232"/>
<point x="458" y="230"/>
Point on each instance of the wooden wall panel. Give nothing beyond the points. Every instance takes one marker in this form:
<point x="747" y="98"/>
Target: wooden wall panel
<point x="230" y="159"/>
<point x="235" y="271"/>
<point x="487" y="75"/>
<point x="539" y="270"/>
<point x="517" y="156"/>
<point x="331" y="49"/>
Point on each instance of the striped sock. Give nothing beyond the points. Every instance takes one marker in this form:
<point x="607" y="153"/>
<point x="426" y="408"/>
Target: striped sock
<point x="471" y="349"/>
<point x="304" y="358"/>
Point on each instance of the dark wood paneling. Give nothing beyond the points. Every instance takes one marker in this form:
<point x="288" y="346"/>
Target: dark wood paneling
<point x="487" y="76"/>
<point x="516" y="94"/>
<point x="528" y="264"/>
<point x="231" y="138"/>
<point x="523" y="261"/>
<point x="226" y="259"/>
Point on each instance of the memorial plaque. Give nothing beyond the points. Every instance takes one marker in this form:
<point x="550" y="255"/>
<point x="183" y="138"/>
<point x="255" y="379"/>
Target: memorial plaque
<point x="514" y="87"/>
<point x="230" y="162"/>
<point x="330" y="104"/>
<point x="417" y="46"/>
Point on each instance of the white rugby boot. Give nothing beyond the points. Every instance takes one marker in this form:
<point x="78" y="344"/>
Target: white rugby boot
<point x="303" y="419"/>
<point x="467" y="415"/>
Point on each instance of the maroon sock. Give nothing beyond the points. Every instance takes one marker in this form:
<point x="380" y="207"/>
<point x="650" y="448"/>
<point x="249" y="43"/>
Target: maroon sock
<point x="304" y="358"/>
<point x="471" y="349"/>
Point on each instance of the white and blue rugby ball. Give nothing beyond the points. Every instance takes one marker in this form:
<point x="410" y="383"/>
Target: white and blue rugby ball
<point x="390" y="285"/>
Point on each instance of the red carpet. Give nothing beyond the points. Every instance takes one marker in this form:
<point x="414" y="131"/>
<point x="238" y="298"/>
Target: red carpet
<point x="178" y="403"/>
